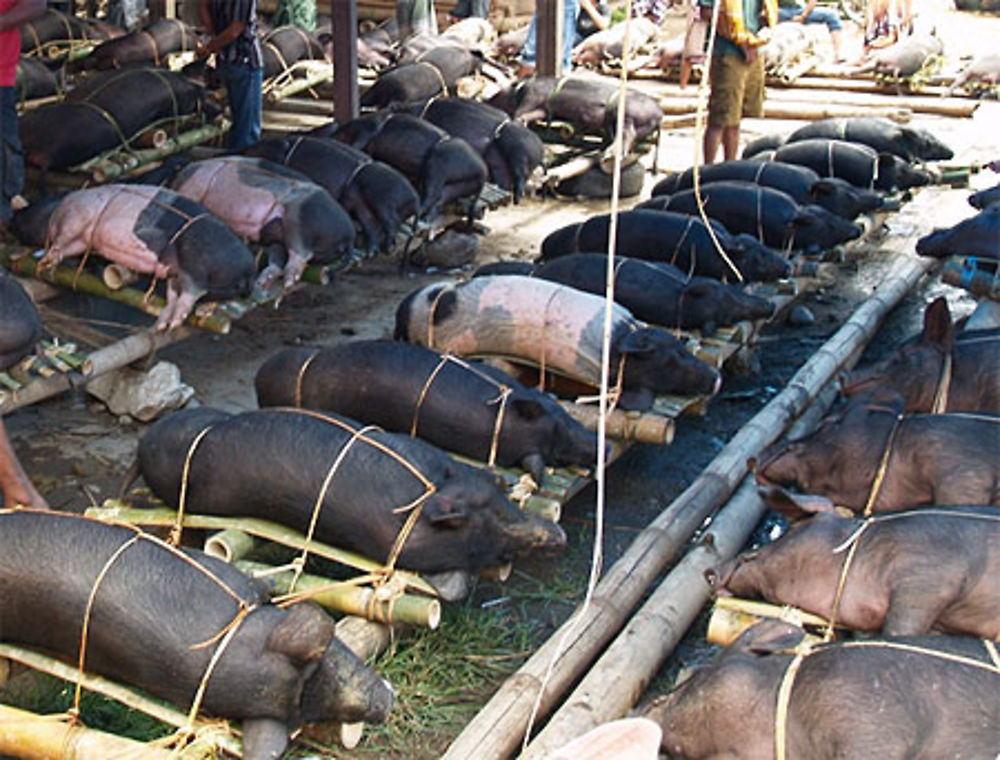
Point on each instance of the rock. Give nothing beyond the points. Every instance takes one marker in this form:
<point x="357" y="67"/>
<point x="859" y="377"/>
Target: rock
<point x="142" y="395"/>
<point x="448" y="250"/>
<point x="800" y="316"/>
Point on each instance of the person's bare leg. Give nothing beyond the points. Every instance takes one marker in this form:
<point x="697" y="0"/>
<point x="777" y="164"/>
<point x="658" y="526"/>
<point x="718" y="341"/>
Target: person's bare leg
<point x="17" y="487"/>
<point x="731" y="142"/>
<point x="835" y="39"/>
<point x="710" y="143"/>
<point x="685" y="72"/>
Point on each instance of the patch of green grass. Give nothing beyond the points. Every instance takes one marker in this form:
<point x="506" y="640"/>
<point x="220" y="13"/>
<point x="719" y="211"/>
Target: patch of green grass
<point x="442" y="678"/>
<point x="47" y="695"/>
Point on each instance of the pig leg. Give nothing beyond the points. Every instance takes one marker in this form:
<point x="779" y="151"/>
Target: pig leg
<point x="181" y="297"/>
<point x="266" y="737"/>
<point x="60" y="249"/>
<point x="912" y="612"/>
<point x="277" y="257"/>
<point x="294" y="268"/>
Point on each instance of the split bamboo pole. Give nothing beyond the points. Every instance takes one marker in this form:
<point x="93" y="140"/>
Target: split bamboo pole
<point x="29" y="736"/>
<point x="616" y="681"/>
<point x="496" y="731"/>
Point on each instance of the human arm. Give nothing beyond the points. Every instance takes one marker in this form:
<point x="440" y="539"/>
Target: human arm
<point x="594" y="14"/>
<point x="221" y="40"/>
<point x="21" y="12"/>
<point x="801" y="17"/>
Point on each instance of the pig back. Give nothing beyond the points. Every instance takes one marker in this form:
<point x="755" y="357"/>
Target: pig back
<point x="523" y="318"/>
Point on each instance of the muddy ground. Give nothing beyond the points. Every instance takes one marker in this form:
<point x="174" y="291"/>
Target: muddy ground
<point x="77" y="452"/>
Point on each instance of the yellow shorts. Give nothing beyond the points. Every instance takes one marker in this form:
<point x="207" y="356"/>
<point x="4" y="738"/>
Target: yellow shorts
<point x="737" y="90"/>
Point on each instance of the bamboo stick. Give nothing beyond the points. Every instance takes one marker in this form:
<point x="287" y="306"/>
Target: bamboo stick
<point x="29" y="736"/>
<point x="497" y="729"/>
<point x="642" y="427"/>
<point x="109" y="166"/>
<point x="361" y="601"/>
<point x="85" y="282"/>
<point x="366" y="638"/>
<point x="229" y="545"/>
<point x="114" y="511"/>
<point x="731" y="616"/>
<point x="155" y="708"/>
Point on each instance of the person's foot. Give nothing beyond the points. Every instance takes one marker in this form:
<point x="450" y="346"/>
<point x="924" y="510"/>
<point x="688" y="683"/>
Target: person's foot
<point x="524" y="71"/>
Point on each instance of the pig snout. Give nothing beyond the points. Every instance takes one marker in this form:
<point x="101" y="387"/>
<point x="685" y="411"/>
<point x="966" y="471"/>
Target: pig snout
<point x="536" y="534"/>
<point x="343" y="688"/>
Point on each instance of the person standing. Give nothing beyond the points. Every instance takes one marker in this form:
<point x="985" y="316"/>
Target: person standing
<point x="17" y="487"/>
<point x="526" y="61"/>
<point x="13" y="13"/>
<point x="736" y="72"/>
<point x="415" y="17"/>
<point x="232" y="25"/>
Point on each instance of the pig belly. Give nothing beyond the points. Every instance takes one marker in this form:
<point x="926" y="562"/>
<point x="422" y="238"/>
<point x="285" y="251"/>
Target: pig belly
<point x="105" y="222"/>
<point x="541" y="322"/>
<point x="245" y="208"/>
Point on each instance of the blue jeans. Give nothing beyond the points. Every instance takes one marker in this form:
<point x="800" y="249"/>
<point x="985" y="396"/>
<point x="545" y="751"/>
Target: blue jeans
<point x="11" y="155"/>
<point x="528" y="52"/>
<point x="818" y="15"/>
<point x="243" y="88"/>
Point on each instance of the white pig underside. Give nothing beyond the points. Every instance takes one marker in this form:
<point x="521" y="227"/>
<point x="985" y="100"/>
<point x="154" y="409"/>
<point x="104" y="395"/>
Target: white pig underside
<point x="245" y="208"/>
<point x="525" y="319"/>
<point x="104" y="218"/>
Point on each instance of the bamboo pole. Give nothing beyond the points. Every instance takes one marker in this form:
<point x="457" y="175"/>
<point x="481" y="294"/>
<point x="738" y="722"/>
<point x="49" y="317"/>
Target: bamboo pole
<point x="670" y="611"/>
<point x="731" y="616"/>
<point x="643" y="427"/>
<point x="85" y="282"/>
<point x="29" y="736"/>
<point x="361" y="601"/>
<point x="155" y="708"/>
<point x="497" y="729"/>
<point x="102" y="360"/>
<point x="803" y="111"/>
<point x="633" y="659"/>
<point x="229" y="545"/>
<point x="114" y="511"/>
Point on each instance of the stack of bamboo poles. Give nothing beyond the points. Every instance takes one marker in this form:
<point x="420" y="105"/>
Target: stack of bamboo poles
<point x="609" y="690"/>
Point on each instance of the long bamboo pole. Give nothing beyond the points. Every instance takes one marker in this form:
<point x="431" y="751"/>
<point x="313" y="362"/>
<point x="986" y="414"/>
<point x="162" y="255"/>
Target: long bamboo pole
<point x="29" y="736"/>
<point x="259" y="528"/>
<point x="362" y="601"/>
<point x="498" y="728"/>
<point x="155" y="708"/>
<point x="103" y="360"/>
<point x="621" y="675"/>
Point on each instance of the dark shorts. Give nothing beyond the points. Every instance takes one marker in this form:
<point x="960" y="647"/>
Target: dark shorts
<point x="737" y="90"/>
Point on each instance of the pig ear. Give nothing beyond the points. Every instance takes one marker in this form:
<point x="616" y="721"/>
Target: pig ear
<point x="769" y="637"/>
<point x="445" y="513"/>
<point x="635" y="342"/>
<point x="820" y="188"/>
<point x="938" y="328"/>
<point x="699" y="288"/>
<point x="795" y="507"/>
<point x="303" y="635"/>
<point x="528" y="408"/>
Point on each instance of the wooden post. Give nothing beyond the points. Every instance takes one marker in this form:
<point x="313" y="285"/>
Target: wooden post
<point x="498" y="729"/>
<point x="344" y="23"/>
<point x="549" y="37"/>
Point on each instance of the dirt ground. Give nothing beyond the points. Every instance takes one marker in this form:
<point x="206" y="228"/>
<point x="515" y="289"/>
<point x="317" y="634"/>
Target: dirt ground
<point x="77" y="452"/>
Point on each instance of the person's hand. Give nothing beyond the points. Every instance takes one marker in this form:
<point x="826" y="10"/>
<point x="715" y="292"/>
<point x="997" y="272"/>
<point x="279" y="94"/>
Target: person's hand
<point x="749" y="53"/>
<point x="202" y="51"/>
<point x="800" y="18"/>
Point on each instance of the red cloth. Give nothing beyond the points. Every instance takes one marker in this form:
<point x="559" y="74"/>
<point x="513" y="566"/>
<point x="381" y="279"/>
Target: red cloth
<point x="10" y="49"/>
